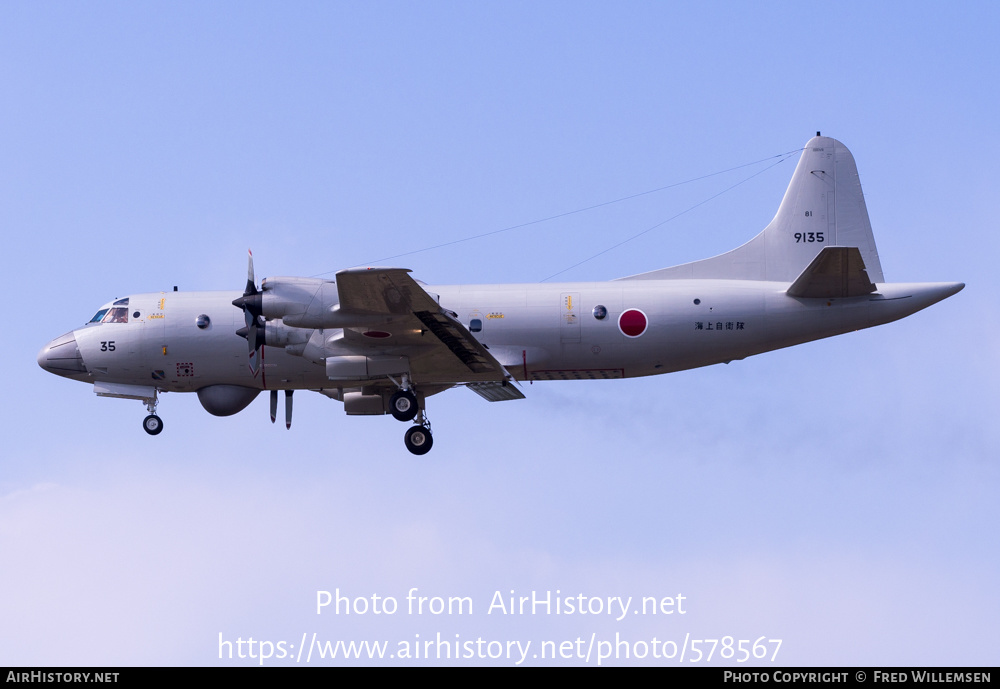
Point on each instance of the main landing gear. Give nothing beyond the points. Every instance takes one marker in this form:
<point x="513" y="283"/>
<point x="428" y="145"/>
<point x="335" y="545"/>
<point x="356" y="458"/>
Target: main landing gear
<point x="404" y="405"/>
<point x="419" y="440"/>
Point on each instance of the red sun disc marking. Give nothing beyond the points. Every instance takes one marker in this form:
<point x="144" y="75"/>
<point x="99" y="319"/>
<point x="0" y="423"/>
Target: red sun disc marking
<point x="377" y="334"/>
<point x="632" y="323"/>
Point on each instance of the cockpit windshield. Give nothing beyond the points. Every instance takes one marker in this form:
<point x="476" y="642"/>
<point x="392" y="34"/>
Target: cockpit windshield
<point x="119" y="314"/>
<point x="114" y="313"/>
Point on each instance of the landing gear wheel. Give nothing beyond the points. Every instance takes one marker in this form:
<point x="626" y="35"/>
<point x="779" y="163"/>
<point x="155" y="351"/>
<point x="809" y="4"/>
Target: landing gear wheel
<point x="403" y="405"/>
<point x="418" y="440"/>
<point x="152" y="424"/>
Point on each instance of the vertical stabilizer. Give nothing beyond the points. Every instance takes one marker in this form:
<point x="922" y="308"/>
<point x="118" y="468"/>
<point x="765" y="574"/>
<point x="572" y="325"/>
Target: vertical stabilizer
<point x="823" y="206"/>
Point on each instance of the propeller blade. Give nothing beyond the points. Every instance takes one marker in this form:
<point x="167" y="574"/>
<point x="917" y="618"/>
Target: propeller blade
<point x="274" y="405"/>
<point x="251" y="303"/>
<point x="252" y="338"/>
<point x="251" y="328"/>
<point x="251" y="282"/>
<point x="288" y="407"/>
<point x="254" y="335"/>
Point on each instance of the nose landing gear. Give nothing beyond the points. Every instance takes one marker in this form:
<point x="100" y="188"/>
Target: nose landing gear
<point x="152" y="424"/>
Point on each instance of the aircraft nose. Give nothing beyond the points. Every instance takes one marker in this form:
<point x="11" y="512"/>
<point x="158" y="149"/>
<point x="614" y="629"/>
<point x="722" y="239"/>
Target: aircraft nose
<point x="62" y="357"/>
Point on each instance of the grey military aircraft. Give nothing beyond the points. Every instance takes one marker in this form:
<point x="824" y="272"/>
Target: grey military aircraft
<point x="381" y="342"/>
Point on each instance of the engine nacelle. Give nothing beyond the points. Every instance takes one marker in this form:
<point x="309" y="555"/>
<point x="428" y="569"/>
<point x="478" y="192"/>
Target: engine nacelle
<point x="308" y="303"/>
<point x="277" y="334"/>
<point x="299" y="302"/>
<point x="226" y="400"/>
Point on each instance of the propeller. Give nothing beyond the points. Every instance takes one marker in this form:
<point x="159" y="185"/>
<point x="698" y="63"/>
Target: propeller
<point x="251" y="303"/>
<point x="288" y="407"/>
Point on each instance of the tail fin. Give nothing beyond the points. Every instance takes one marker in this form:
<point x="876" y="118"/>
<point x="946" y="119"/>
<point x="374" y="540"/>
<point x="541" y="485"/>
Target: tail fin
<point x="823" y="206"/>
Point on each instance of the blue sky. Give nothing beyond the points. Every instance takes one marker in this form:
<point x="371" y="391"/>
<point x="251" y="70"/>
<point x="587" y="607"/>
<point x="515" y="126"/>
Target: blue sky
<point x="839" y="496"/>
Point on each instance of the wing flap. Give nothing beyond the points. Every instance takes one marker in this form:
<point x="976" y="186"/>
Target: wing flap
<point x="497" y="390"/>
<point x="460" y="341"/>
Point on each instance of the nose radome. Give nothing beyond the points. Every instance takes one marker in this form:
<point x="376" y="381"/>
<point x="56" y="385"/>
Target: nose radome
<point x="62" y="357"/>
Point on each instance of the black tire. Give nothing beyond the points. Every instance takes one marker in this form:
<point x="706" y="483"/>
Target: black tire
<point x="152" y="424"/>
<point x="403" y="405"/>
<point x="419" y="440"/>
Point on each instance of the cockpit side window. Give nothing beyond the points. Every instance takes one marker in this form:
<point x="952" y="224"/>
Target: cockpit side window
<point x="118" y="314"/>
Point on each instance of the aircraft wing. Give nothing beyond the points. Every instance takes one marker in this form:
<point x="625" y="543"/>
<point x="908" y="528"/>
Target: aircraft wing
<point x="381" y="291"/>
<point x="440" y="349"/>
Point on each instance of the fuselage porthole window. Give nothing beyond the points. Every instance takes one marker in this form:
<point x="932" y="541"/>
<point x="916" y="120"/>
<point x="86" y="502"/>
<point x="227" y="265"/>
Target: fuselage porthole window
<point x="203" y="321"/>
<point x="475" y="325"/>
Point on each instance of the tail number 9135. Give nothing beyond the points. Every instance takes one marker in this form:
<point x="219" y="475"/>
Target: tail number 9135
<point x="808" y="237"/>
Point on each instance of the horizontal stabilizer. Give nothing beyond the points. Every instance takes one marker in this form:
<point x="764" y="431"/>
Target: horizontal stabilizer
<point x="497" y="391"/>
<point x="837" y="271"/>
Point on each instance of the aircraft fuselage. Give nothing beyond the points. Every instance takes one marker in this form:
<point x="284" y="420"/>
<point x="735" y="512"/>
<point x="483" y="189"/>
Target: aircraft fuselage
<point x="537" y="331"/>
